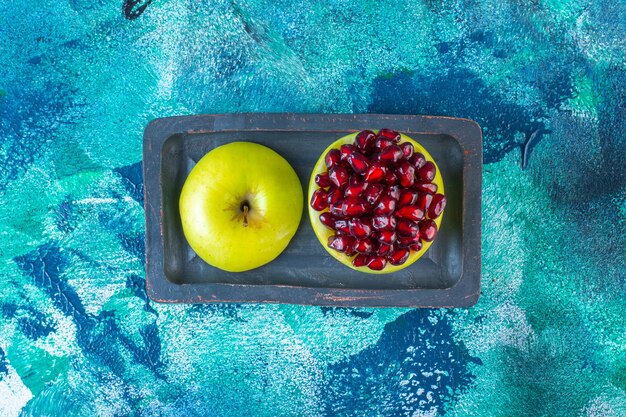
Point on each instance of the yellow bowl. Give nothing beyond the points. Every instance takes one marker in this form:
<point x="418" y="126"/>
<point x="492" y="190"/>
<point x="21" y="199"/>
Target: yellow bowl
<point x="323" y="233"/>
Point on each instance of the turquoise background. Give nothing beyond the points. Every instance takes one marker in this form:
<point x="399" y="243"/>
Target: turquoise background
<point x="80" y="79"/>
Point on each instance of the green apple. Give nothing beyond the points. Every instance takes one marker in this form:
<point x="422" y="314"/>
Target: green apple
<point x="240" y="206"/>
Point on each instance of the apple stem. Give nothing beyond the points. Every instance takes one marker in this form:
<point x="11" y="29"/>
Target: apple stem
<point x="245" y="215"/>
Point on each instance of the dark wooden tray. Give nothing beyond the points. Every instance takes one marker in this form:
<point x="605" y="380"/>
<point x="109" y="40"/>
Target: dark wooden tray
<point x="447" y="276"/>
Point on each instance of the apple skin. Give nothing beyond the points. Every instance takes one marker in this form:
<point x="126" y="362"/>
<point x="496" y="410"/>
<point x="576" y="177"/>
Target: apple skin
<point x="323" y="233"/>
<point x="211" y="206"/>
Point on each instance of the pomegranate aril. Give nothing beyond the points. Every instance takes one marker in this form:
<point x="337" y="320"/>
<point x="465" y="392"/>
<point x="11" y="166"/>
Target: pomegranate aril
<point x="436" y="206"/>
<point x="424" y="201"/>
<point x="427" y="172"/>
<point x="376" y="172"/>
<point x="332" y="158"/>
<point x="416" y="246"/>
<point x="336" y="209"/>
<point x="359" y="260"/>
<point x="391" y="154"/>
<point x="353" y="207"/>
<point x="407" y="197"/>
<point x="407" y="228"/>
<point x="358" y="162"/>
<point x="346" y="150"/>
<point x="328" y="220"/>
<point x="373" y="193"/>
<point x="389" y="134"/>
<point x="384" y="222"/>
<point x="365" y="139"/>
<point x="386" y="205"/>
<point x="339" y="176"/>
<point x="355" y="188"/>
<point x="334" y="196"/>
<point x="391" y="178"/>
<point x="407" y="150"/>
<point x="406" y="174"/>
<point x="388" y="237"/>
<point x="398" y="256"/>
<point x="393" y="192"/>
<point x="341" y="226"/>
<point x="340" y="243"/>
<point x="428" y="230"/>
<point x="376" y="263"/>
<point x="427" y="187"/>
<point x="359" y="229"/>
<point x="382" y="143"/>
<point x="322" y="180"/>
<point x="319" y="199"/>
<point x="407" y="242"/>
<point x="417" y="160"/>
<point x="364" y="246"/>
<point x="384" y="250"/>
<point x="410" y="213"/>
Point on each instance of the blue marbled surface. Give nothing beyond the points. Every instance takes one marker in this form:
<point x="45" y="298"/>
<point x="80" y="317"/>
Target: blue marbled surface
<point x="81" y="78"/>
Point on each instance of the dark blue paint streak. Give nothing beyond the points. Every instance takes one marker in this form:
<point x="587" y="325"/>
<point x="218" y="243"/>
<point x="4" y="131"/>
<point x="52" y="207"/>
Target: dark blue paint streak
<point x="4" y="364"/>
<point x="376" y="372"/>
<point x="98" y="336"/>
<point x="132" y="178"/>
<point x="34" y="325"/>
<point x="137" y="285"/>
<point x="354" y="312"/>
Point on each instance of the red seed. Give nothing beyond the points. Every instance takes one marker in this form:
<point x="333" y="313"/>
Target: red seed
<point x="428" y="230"/>
<point x="359" y="229"/>
<point x="322" y="180"/>
<point x="393" y="192"/>
<point x="386" y="205"/>
<point x="406" y="174"/>
<point x="334" y="196"/>
<point x="319" y="199"/>
<point x="398" y="256"/>
<point x="388" y="237"/>
<point x="407" y="242"/>
<point x="350" y="251"/>
<point x="390" y="155"/>
<point x="340" y="243"/>
<point x="328" y="220"/>
<point x="341" y="226"/>
<point x="407" y="197"/>
<point x="382" y="143"/>
<point x="410" y="213"/>
<point x="407" y="150"/>
<point x="346" y="150"/>
<point x="427" y="172"/>
<point x="373" y="193"/>
<point x="424" y="201"/>
<point x="332" y="158"/>
<point x="355" y="188"/>
<point x="358" y="162"/>
<point x="416" y="246"/>
<point x="339" y="176"/>
<point x="407" y="228"/>
<point x="365" y="140"/>
<point x="353" y="207"/>
<point x="417" y="160"/>
<point x="427" y="187"/>
<point x="336" y="209"/>
<point x="389" y="134"/>
<point x="384" y="222"/>
<point x="384" y="250"/>
<point x="376" y="263"/>
<point x="359" y="260"/>
<point x="376" y="172"/>
<point x="365" y="246"/>
<point x="391" y="178"/>
<point x="436" y="206"/>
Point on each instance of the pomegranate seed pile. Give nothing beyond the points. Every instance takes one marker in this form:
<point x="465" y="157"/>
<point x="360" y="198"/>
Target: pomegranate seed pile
<point x="380" y="198"/>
